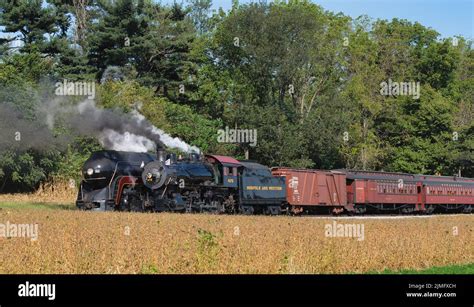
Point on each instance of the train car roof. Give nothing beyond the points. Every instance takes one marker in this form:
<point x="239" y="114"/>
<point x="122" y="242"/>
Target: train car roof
<point x="224" y="159"/>
<point x="440" y="178"/>
<point x="427" y="179"/>
<point x="253" y="165"/>
<point x="449" y="183"/>
<point x="354" y="174"/>
<point x="306" y="170"/>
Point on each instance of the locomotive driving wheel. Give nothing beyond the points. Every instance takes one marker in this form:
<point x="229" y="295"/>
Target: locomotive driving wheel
<point x="217" y="206"/>
<point x="229" y="204"/>
<point x="131" y="202"/>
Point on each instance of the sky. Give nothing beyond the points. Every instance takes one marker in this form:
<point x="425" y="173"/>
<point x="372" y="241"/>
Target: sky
<point x="447" y="17"/>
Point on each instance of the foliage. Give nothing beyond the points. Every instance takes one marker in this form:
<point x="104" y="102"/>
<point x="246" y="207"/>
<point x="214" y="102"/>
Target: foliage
<point x="308" y="80"/>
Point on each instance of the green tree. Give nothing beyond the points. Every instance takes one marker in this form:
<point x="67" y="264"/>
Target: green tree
<point x="38" y="27"/>
<point x="287" y="58"/>
<point x="200" y="14"/>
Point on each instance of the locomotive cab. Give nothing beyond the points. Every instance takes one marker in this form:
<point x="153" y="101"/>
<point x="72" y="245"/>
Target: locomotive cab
<point x="225" y="170"/>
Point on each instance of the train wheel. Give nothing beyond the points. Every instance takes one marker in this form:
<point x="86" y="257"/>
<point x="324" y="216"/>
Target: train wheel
<point x="468" y="209"/>
<point x="220" y="206"/>
<point x="408" y="209"/>
<point x="272" y="210"/>
<point x="247" y="210"/>
<point x="360" y="209"/>
<point x="285" y="209"/>
<point x="133" y="205"/>
<point x="297" y="210"/>
<point x="429" y="209"/>
<point x="230" y="205"/>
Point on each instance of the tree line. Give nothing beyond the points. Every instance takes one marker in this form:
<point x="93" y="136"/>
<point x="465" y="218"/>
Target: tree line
<point x="311" y="82"/>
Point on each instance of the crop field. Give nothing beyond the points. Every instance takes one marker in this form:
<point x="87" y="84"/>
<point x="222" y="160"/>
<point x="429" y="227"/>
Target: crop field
<point x="57" y="193"/>
<point x="70" y="241"/>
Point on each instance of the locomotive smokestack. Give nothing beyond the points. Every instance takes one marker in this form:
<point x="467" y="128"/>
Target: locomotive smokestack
<point x="193" y="157"/>
<point x="161" y="155"/>
<point x="172" y="158"/>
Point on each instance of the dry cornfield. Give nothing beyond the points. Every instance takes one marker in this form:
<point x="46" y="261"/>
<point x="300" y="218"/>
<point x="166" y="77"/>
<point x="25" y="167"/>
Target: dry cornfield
<point x="57" y="192"/>
<point x="95" y="242"/>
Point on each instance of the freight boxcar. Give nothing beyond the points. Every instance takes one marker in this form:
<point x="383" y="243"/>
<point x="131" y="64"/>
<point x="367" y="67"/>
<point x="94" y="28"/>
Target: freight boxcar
<point x="313" y="190"/>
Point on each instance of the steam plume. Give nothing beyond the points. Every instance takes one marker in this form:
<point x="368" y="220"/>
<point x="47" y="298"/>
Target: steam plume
<point x="113" y="129"/>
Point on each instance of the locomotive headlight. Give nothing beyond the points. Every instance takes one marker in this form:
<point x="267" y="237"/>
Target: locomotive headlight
<point x="149" y="177"/>
<point x="90" y="171"/>
<point x="153" y="176"/>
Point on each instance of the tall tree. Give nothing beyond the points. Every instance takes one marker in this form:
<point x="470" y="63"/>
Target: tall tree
<point x="200" y="11"/>
<point x="152" y="39"/>
<point x="38" y="27"/>
<point x="287" y="57"/>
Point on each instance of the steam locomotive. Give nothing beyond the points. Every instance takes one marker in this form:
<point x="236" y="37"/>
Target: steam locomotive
<point x="128" y="181"/>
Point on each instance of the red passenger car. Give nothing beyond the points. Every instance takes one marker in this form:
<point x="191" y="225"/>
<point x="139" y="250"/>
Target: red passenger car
<point x="449" y="193"/>
<point x="378" y="191"/>
<point x="406" y="193"/>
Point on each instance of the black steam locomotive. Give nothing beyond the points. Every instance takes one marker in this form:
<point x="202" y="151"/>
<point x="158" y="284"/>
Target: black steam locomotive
<point x="128" y="181"/>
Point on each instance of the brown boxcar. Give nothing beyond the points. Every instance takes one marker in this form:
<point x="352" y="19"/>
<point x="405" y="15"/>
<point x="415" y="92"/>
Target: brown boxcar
<point x="311" y="188"/>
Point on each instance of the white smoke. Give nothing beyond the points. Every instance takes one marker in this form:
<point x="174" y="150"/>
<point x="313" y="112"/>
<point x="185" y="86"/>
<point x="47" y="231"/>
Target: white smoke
<point x="113" y="134"/>
<point x="165" y="138"/>
<point x="126" y="142"/>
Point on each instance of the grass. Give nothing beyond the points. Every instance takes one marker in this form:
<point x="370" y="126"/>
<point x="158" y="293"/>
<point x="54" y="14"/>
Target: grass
<point x="72" y="241"/>
<point x="35" y="205"/>
<point x="450" y="269"/>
